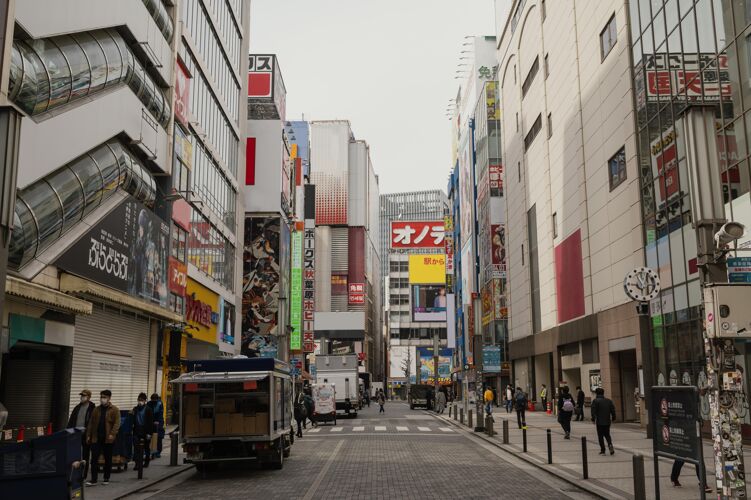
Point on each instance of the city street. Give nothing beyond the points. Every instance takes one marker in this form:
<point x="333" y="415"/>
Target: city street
<point x="403" y="454"/>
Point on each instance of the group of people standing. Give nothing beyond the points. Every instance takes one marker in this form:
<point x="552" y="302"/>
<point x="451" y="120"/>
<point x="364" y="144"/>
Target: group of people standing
<point x="102" y="424"/>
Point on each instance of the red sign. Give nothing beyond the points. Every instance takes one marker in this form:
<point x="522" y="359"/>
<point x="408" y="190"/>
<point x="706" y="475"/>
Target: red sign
<point x="356" y="293"/>
<point x="260" y="72"/>
<point x="495" y="173"/>
<point x="182" y="94"/>
<point x="360" y="356"/>
<point x="687" y="76"/>
<point x="417" y="234"/>
<point x="178" y="277"/>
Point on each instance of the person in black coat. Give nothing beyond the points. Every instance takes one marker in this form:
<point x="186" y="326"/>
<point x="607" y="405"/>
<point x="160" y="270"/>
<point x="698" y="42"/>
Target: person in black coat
<point x="565" y="411"/>
<point x="80" y="417"/>
<point x="579" y="404"/>
<point x="603" y="414"/>
<point x="143" y="426"/>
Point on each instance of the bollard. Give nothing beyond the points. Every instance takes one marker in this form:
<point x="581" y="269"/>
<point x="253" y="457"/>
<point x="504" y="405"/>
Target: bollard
<point x="461" y="416"/>
<point x="449" y="411"/>
<point x="173" y="447"/>
<point x="505" y="431"/>
<point x="489" y="426"/>
<point x="585" y="468"/>
<point x="640" y="492"/>
<point x="550" y="448"/>
<point x="469" y="418"/>
<point x="524" y="438"/>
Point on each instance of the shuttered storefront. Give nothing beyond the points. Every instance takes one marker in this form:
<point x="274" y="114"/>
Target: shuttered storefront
<point x="339" y="263"/>
<point x="111" y="351"/>
<point x="29" y="385"/>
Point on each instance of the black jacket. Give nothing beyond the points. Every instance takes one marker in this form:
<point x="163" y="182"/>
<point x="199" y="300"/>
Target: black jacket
<point x="580" y="399"/>
<point x="563" y="397"/>
<point x="603" y="411"/>
<point x="74" y="414"/>
<point x="148" y="421"/>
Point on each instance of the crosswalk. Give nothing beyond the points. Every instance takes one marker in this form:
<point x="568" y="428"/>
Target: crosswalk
<point x="377" y="429"/>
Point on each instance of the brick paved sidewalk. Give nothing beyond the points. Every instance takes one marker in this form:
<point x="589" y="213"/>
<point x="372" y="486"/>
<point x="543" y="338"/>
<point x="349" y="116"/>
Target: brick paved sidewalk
<point x="609" y="476"/>
<point x="125" y="483"/>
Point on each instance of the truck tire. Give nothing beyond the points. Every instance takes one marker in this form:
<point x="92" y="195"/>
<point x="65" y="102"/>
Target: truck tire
<point x="411" y="407"/>
<point x="277" y="462"/>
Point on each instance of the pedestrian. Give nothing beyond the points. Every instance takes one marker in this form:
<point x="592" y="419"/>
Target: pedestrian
<point x="565" y="411"/>
<point x="509" y="398"/>
<point x="676" y="471"/>
<point x="520" y="402"/>
<point x="430" y="397"/>
<point x="579" y="404"/>
<point x="310" y="406"/>
<point x="143" y="428"/>
<point x="79" y="418"/>
<point x="603" y="414"/>
<point x="440" y="400"/>
<point x="381" y="398"/>
<point x="100" y="435"/>
<point x="300" y="413"/>
<point x="495" y="396"/>
<point x="157" y="409"/>
<point x="488" y="397"/>
<point x="544" y="397"/>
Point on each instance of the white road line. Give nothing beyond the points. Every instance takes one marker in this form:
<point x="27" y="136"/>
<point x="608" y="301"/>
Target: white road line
<point x="446" y="429"/>
<point x="337" y="429"/>
<point x="380" y="428"/>
<point x="358" y="428"/>
<point x="317" y="429"/>
<point x="317" y="482"/>
<point x="423" y="429"/>
<point x="401" y="428"/>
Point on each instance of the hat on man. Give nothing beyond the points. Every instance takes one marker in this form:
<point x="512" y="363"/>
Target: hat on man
<point x="85" y="392"/>
<point x="106" y="392"/>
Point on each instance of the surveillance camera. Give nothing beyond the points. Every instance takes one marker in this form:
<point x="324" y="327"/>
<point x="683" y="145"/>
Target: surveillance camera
<point x="728" y="233"/>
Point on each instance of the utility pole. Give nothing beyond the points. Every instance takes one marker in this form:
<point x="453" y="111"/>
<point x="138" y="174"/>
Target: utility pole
<point x="478" y="344"/>
<point x="436" y="347"/>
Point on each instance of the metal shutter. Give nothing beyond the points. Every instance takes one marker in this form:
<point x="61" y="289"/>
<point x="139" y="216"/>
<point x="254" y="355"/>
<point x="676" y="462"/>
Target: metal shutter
<point x="111" y="351"/>
<point x="339" y="245"/>
<point x="28" y="391"/>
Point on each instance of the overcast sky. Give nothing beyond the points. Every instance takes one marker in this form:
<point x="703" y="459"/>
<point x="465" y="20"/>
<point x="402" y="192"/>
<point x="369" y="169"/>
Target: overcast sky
<point x="386" y="65"/>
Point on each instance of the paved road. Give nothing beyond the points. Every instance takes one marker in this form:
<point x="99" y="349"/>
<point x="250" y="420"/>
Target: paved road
<point x="402" y="454"/>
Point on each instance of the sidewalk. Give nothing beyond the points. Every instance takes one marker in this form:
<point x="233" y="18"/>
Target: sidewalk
<point x="125" y="483"/>
<point x="609" y="476"/>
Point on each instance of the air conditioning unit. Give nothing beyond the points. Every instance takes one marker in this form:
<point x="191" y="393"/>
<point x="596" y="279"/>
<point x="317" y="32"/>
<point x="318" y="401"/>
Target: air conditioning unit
<point x="726" y="310"/>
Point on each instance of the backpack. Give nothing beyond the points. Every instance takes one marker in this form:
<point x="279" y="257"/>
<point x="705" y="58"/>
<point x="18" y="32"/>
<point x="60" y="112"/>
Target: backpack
<point x="520" y="400"/>
<point x="568" y="405"/>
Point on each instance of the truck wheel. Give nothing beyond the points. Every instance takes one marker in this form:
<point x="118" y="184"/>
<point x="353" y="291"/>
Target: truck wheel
<point x="411" y="407"/>
<point x="278" y="461"/>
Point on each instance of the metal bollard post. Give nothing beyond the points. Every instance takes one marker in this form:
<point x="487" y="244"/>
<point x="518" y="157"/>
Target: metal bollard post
<point x="585" y="468"/>
<point x="640" y="492"/>
<point x="489" y="426"/>
<point x="505" y="431"/>
<point x="524" y="438"/>
<point x="469" y="418"/>
<point x="461" y="416"/>
<point x="550" y="448"/>
<point x="173" y="447"/>
<point x="449" y="411"/>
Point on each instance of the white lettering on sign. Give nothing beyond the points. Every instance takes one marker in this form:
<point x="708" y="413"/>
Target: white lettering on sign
<point x="108" y="259"/>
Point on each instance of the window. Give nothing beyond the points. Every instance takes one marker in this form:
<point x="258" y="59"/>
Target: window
<point x="550" y="125"/>
<point x="519" y="170"/>
<point x="514" y="74"/>
<point x="530" y="137"/>
<point x="534" y="272"/>
<point x="517" y="122"/>
<point x="543" y="12"/>
<point x="546" y="67"/>
<point x="555" y="224"/>
<point x="617" y="168"/>
<point x="530" y="76"/>
<point x="608" y="37"/>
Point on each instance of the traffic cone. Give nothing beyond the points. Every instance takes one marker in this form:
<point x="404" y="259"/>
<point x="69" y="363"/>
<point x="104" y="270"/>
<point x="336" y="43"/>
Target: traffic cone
<point x="549" y="409"/>
<point x="21" y="432"/>
<point x="48" y="431"/>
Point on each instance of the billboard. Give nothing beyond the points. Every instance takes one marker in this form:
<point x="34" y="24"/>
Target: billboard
<point x="418" y="234"/>
<point x="495" y="173"/>
<point x="466" y="195"/>
<point x="356" y="293"/>
<point x="182" y="94"/>
<point x="309" y="284"/>
<point x="685" y="76"/>
<point x="127" y="250"/>
<point x="261" y="282"/>
<point x="429" y="269"/>
<point x="428" y="303"/>
<point x="266" y="88"/>
<point x="491" y="359"/>
<point x="202" y="311"/>
<point x="295" y="295"/>
<point x="427" y="365"/>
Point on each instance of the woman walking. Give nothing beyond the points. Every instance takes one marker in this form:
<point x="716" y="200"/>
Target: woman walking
<point x="565" y="411"/>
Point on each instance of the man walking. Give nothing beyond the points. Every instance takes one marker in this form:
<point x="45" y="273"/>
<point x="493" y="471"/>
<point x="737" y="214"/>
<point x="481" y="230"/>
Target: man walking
<point x="157" y="408"/>
<point x="603" y="413"/>
<point x="79" y="418"/>
<point x="565" y="411"/>
<point x="488" y="397"/>
<point x="544" y="397"/>
<point x="143" y="428"/>
<point x="579" y="404"/>
<point x="100" y="435"/>
<point x="509" y="398"/>
<point x="520" y="402"/>
<point x="381" y="401"/>
<point x="440" y="400"/>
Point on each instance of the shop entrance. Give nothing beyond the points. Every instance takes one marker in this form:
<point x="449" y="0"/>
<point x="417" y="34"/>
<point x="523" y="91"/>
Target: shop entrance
<point x="626" y="367"/>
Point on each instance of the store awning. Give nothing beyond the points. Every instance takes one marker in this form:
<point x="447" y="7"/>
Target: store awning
<point x="39" y="293"/>
<point x="80" y="286"/>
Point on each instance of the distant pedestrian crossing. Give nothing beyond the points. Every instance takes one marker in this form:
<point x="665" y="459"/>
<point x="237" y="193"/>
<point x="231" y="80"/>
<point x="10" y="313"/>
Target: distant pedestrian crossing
<point x="379" y="429"/>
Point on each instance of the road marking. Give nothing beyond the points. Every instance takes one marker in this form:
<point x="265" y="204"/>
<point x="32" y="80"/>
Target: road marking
<point x="319" y="478"/>
<point x="317" y="429"/>
<point x="380" y="428"/>
<point x="423" y="429"/>
<point x="402" y="428"/>
<point x="358" y="428"/>
<point x="337" y="429"/>
<point x="446" y="429"/>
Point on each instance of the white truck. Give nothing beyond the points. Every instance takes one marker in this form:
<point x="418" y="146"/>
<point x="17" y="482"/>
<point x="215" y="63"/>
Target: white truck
<point x="341" y="372"/>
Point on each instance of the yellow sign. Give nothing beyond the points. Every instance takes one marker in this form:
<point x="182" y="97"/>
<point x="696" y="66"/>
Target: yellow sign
<point x="427" y="269"/>
<point x="201" y="311"/>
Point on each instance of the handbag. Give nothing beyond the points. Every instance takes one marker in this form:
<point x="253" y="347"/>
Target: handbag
<point x="154" y="439"/>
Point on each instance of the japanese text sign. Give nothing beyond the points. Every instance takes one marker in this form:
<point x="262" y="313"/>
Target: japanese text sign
<point x="429" y="269"/>
<point x="417" y="234"/>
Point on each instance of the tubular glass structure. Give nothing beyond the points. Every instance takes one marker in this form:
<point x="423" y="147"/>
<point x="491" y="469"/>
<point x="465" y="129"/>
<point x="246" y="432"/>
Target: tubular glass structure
<point x="48" y="208"/>
<point x="48" y="73"/>
<point x="161" y="17"/>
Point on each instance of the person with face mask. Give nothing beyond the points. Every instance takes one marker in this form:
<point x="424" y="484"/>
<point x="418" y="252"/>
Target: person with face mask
<point x="143" y="428"/>
<point x="79" y="418"/>
<point x="100" y="435"/>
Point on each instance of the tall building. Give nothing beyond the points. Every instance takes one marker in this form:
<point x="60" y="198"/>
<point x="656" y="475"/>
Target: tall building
<point x="124" y="227"/>
<point x="572" y="197"/>
<point x="347" y="245"/>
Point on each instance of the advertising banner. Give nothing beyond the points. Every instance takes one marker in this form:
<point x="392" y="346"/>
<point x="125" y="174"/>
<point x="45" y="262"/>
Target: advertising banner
<point x="676" y="429"/>
<point x="339" y="284"/>
<point x="178" y="277"/>
<point x="427" y="365"/>
<point x="309" y="285"/>
<point x="127" y="250"/>
<point x="687" y="76"/>
<point x="466" y="195"/>
<point x="429" y="269"/>
<point x="202" y="311"/>
<point x="498" y="250"/>
<point x="491" y="359"/>
<point x="428" y="303"/>
<point x="451" y="320"/>
<point x="448" y="225"/>
<point x="418" y="234"/>
<point x="295" y="296"/>
<point x="182" y="94"/>
<point x="495" y="173"/>
<point x="261" y="282"/>
<point x="356" y="293"/>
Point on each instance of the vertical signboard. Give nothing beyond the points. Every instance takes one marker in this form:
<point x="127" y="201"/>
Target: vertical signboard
<point x="309" y="280"/>
<point x="182" y="94"/>
<point x="295" y="307"/>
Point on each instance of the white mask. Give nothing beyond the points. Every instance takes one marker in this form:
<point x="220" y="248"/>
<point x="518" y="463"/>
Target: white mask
<point x="105" y="401"/>
<point x="141" y="403"/>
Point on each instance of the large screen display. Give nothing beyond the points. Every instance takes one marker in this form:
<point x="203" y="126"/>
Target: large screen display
<point x="428" y="303"/>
